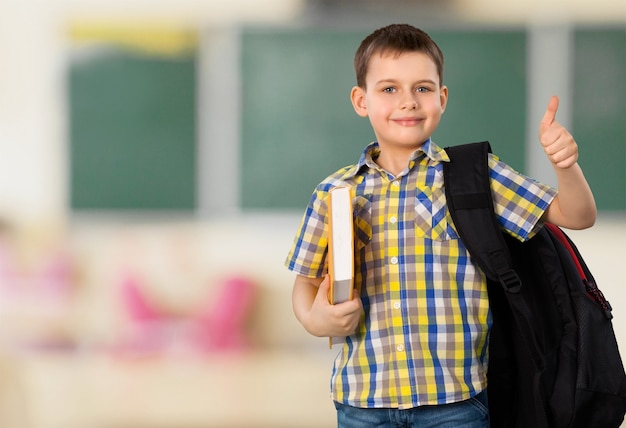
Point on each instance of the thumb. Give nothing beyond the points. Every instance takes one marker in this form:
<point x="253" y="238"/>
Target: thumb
<point x="550" y="115"/>
<point x="324" y="289"/>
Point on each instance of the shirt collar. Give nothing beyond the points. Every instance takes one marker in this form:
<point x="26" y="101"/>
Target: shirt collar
<point x="371" y="152"/>
<point x="434" y="152"/>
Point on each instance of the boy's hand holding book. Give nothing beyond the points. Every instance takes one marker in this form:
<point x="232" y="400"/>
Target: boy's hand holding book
<point x="338" y="320"/>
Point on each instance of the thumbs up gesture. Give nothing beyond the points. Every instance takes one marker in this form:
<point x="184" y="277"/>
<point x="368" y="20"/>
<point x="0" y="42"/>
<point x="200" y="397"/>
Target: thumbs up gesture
<point x="557" y="142"/>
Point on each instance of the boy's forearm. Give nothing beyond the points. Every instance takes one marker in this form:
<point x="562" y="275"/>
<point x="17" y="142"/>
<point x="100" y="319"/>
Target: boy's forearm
<point x="303" y="296"/>
<point x="574" y="206"/>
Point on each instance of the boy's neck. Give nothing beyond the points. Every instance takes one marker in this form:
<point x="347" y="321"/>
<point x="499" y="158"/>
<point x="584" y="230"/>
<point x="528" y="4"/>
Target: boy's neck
<point x="395" y="159"/>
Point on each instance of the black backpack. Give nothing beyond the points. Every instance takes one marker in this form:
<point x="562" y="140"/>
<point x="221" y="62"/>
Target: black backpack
<point x="553" y="357"/>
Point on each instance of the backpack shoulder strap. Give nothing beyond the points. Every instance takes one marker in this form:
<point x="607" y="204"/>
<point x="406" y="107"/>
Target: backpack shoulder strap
<point x="470" y="203"/>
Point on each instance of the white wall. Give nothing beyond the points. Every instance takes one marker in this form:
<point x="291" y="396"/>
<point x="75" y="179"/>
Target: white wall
<point x="543" y="11"/>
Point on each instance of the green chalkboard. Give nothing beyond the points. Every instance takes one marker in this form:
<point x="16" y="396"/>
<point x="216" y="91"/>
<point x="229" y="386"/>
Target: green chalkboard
<point x="298" y="124"/>
<point x="485" y="72"/>
<point x="132" y="132"/>
<point x="600" y="112"/>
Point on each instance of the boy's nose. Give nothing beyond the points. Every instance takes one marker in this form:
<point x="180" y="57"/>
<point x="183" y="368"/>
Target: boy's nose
<point x="410" y="103"/>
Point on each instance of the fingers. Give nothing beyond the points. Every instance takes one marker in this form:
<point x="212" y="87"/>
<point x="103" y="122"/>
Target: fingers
<point x="346" y="316"/>
<point x="562" y="156"/>
<point x="343" y="318"/>
<point x="559" y="146"/>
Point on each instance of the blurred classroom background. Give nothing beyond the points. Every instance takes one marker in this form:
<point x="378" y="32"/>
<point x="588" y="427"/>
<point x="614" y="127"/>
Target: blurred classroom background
<point x="156" y="157"/>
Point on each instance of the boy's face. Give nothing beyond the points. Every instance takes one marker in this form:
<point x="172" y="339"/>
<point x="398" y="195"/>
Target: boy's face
<point x="403" y="100"/>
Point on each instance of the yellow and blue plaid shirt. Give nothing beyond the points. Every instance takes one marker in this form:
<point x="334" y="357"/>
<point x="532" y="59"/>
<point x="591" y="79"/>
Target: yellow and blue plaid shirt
<point x="423" y="337"/>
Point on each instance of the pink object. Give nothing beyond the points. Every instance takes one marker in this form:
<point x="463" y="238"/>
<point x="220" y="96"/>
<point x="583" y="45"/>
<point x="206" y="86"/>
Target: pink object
<point x="55" y="276"/>
<point x="216" y="326"/>
<point x="136" y="305"/>
<point x="221" y="324"/>
<point x="146" y="333"/>
<point x="8" y="274"/>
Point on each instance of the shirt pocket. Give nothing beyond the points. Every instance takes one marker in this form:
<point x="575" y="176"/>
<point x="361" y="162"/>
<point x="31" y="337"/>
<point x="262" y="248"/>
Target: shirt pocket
<point x="362" y="221"/>
<point x="432" y="219"/>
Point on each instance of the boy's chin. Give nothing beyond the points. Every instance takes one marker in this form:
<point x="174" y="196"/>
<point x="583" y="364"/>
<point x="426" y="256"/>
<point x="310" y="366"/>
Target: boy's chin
<point x="405" y="146"/>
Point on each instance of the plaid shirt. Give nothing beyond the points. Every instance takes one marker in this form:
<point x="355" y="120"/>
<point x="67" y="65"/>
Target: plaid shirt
<point x="423" y="337"/>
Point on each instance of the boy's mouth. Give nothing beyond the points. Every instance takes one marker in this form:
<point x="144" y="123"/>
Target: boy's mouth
<point x="408" y="121"/>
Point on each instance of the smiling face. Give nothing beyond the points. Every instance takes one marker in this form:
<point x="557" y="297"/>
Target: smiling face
<point x="403" y="99"/>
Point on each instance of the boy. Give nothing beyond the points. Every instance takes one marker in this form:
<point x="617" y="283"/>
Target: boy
<point x="417" y="329"/>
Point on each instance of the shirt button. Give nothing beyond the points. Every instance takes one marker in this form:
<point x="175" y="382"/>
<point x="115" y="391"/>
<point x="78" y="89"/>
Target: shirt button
<point x="396" y="305"/>
<point x="395" y="183"/>
<point x="394" y="260"/>
<point x="400" y="348"/>
<point x="392" y="219"/>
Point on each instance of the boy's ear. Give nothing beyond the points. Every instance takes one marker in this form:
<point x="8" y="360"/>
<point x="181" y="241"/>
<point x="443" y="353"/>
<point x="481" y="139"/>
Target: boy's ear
<point x="357" y="96"/>
<point x="443" y="97"/>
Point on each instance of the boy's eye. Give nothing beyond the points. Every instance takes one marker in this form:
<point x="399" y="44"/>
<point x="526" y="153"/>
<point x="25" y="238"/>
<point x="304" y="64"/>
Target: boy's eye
<point x="389" y="89"/>
<point x="422" y="89"/>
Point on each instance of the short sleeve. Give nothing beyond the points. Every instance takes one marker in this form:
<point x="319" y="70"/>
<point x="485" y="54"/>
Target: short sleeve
<point x="307" y="256"/>
<point x="519" y="200"/>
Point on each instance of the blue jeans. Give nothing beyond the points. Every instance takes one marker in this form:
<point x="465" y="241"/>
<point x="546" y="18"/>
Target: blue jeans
<point x="472" y="413"/>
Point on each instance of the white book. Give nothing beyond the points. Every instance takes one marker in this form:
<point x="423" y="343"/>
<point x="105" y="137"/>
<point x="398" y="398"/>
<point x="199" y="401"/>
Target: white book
<point x="341" y="245"/>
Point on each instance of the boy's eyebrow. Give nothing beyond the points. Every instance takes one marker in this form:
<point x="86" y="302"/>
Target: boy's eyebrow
<point x="391" y="80"/>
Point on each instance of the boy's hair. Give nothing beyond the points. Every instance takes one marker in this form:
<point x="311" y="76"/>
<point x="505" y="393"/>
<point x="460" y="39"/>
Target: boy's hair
<point x="395" y="39"/>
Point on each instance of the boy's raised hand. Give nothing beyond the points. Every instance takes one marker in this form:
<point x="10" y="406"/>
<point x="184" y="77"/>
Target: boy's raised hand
<point x="557" y="142"/>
